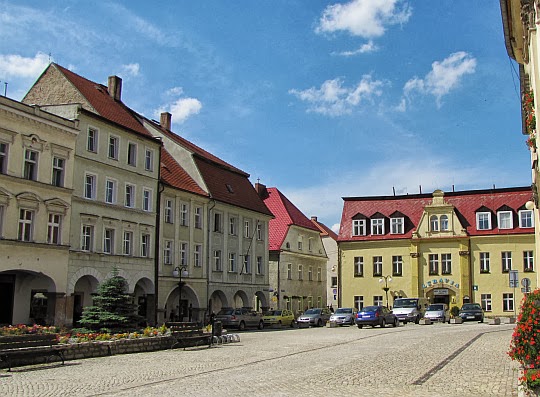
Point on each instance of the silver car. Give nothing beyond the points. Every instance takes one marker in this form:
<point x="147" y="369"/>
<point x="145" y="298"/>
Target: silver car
<point x="343" y="315"/>
<point x="438" y="312"/>
<point x="318" y="317"/>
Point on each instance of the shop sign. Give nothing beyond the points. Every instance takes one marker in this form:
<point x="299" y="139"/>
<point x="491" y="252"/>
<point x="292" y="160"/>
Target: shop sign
<point x="440" y="291"/>
<point x="435" y="282"/>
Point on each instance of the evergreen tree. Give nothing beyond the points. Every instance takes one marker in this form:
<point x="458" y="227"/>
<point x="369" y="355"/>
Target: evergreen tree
<point x="113" y="310"/>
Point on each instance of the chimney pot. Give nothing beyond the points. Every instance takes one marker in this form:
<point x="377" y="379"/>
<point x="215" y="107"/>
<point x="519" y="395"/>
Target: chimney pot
<point x="115" y="87"/>
<point x="261" y="190"/>
<point x="165" y="120"/>
<point x="314" y="218"/>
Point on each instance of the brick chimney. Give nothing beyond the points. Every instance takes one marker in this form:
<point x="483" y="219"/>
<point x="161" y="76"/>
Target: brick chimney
<point x="314" y="218"/>
<point x="165" y="120"/>
<point x="115" y="87"/>
<point x="261" y="190"/>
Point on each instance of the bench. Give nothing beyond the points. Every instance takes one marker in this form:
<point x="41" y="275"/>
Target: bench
<point x="188" y="334"/>
<point x="28" y="346"/>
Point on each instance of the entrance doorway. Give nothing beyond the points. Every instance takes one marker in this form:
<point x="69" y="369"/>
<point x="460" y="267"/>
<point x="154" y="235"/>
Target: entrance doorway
<point x="7" y="293"/>
<point x="440" y="295"/>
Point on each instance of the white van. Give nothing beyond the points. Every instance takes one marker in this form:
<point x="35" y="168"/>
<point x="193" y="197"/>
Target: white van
<point x="410" y="309"/>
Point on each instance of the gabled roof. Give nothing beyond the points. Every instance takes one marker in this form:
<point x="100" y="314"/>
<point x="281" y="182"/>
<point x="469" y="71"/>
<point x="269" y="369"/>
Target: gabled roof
<point x="174" y="175"/>
<point x="325" y="230"/>
<point x="285" y="214"/>
<point x="466" y="204"/>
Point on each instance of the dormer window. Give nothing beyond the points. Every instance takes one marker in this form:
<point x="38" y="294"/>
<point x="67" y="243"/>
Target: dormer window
<point x="359" y="227"/>
<point x="397" y="225"/>
<point x="483" y="221"/>
<point x="377" y="226"/>
<point x="434" y="223"/>
<point x="504" y="219"/>
<point x="526" y="219"/>
<point x="444" y="222"/>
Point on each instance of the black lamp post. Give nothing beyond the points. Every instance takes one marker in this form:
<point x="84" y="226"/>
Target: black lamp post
<point x="180" y="271"/>
<point x="386" y="280"/>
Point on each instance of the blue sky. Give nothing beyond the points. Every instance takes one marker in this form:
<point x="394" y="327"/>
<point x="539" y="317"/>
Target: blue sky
<point x="321" y="99"/>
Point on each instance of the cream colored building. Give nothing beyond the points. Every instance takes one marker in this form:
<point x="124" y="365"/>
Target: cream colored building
<point x="452" y="248"/>
<point x="37" y="151"/>
<point x="115" y="189"/>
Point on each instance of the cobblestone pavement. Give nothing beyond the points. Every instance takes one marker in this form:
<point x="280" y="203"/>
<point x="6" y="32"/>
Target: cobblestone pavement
<point x="412" y="360"/>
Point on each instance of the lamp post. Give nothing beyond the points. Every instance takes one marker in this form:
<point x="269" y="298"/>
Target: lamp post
<point x="386" y="280"/>
<point x="180" y="271"/>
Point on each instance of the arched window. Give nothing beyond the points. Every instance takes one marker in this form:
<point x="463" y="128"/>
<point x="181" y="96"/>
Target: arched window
<point x="444" y="222"/>
<point x="434" y="223"/>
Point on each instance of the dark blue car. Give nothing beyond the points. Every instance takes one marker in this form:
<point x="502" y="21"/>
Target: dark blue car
<point x="376" y="315"/>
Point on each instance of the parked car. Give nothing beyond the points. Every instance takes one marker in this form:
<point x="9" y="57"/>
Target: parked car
<point x="279" y="317"/>
<point x="376" y="315"/>
<point x="318" y="317"/>
<point x="343" y="315"/>
<point x="239" y="318"/>
<point x="438" y="312"/>
<point x="410" y="309"/>
<point x="472" y="311"/>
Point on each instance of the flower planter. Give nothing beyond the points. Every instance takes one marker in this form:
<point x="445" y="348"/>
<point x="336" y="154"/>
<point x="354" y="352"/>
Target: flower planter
<point x="494" y="321"/>
<point x="456" y="320"/>
<point x="425" y="321"/>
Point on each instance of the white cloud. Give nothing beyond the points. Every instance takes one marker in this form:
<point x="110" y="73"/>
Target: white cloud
<point x="333" y="99"/>
<point x="175" y="91"/>
<point x="364" y="49"/>
<point x="130" y="70"/>
<point x="364" y="18"/>
<point x="18" y="66"/>
<point x="443" y="77"/>
<point x="185" y="107"/>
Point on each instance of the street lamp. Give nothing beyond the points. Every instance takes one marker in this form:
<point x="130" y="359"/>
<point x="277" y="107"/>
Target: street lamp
<point x="386" y="280"/>
<point x="180" y="271"/>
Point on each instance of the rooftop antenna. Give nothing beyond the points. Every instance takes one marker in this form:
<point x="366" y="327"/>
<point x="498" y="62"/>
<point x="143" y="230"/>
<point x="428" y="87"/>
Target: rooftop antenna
<point x="453" y="188"/>
<point x="394" y="190"/>
<point x="420" y="186"/>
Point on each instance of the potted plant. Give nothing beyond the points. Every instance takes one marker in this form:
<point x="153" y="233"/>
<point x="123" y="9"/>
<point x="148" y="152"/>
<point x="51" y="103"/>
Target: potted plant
<point x="454" y="316"/>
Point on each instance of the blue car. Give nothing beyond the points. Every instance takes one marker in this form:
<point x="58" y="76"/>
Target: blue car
<point x="376" y="315"/>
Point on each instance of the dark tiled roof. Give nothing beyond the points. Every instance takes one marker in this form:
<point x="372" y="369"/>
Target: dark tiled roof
<point x="174" y="175"/>
<point x="325" y="230"/>
<point x="465" y="204"/>
<point x="285" y="215"/>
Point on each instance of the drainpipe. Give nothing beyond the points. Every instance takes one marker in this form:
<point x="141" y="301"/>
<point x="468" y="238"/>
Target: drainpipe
<point x="157" y="237"/>
<point x="339" y="276"/>
<point x="279" y="282"/>
<point x="208" y="308"/>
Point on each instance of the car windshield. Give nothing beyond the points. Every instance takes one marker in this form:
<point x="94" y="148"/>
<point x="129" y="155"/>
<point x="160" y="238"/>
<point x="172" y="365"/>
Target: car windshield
<point x="471" y="307"/>
<point x="225" y="312"/>
<point x="274" y="313"/>
<point x="370" y="308"/>
<point x="405" y="303"/>
<point x="343" y="310"/>
<point x="432" y="308"/>
<point x="313" y="311"/>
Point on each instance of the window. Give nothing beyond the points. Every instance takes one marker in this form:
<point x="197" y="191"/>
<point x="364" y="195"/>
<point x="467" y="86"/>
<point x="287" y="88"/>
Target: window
<point x="149" y="160"/>
<point x="359" y="227"/>
<point x="26" y="225"/>
<point x="90" y="186"/>
<point x="526" y="218"/>
<point x="377" y="226"/>
<point x="434" y="223"/>
<point x="484" y="262"/>
<point x="433" y="264"/>
<point x="377" y="266"/>
<point x="168" y="252"/>
<point x="377" y="300"/>
<point x="446" y="263"/>
<point x="2" y="210"/>
<point x="506" y="259"/>
<point x="130" y="196"/>
<point x="358" y="266"/>
<point x="127" y="246"/>
<point x="397" y="265"/>
<point x="508" y="302"/>
<point x="397" y="226"/>
<point x="334" y="282"/>
<point x="198" y="217"/>
<point x="485" y="301"/>
<point x="145" y="245"/>
<point x="3" y="157"/>
<point x="232" y="261"/>
<point x="132" y="154"/>
<point x="358" y="302"/>
<point x="58" y="171"/>
<point x="218" y="220"/>
<point x="300" y="272"/>
<point x="54" y="228"/>
<point x="108" y="241"/>
<point x="259" y="232"/>
<point x="92" y="140"/>
<point x="483" y="221"/>
<point x="444" y="222"/>
<point x="260" y="269"/>
<point x="113" y="147"/>
<point x="246" y="228"/>
<point x="247" y="264"/>
<point x="197" y="255"/>
<point x="30" y="164"/>
<point x="183" y="254"/>
<point x="505" y="219"/>
<point x="528" y="261"/>
<point x="319" y="274"/>
<point x="233" y="226"/>
<point x="217" y="261"/>
<point x="184" y="215"/>
<point x="87" y="243"/>
<point x="110" y="191"/>
<point x="300" y="243"/>
<point x="147" y="200"/>
<point x="168" y="211"/>
<point x="310" y="273"/>
<point x="289" y="271"/>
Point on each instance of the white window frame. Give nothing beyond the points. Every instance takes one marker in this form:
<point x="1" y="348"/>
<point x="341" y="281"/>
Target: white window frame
<point x="485" y="265"/>
<point x="508" y="302"/>
<point x="149" y="159"/>
<point x="132" y="154"/>
<point x="444" y="223"/>
<point x="506" y="261"/>
<point x="247" y="264"/>
<point x="90" y="182"/>
<point x="168" y="211"/>
<point x="260" y="269"/>
<point x="433" y="262"/>
<point x="127" y="243"/>
<point x="145" y="245"/>
<point x="397" y="225"/>
<point x="108" y="240"/>
<point x="87" y="238"/>
<point x="481" y="219"/>
<point x="433" y="223"/>
<point x="377" y="226"/>
<point x="184" y="254"/>
<point x="30" y="169"/>
<point x="129" y="195"/>
<point x="319" y="274"/>
<point x="300" y="272"/>
<point x="259" y="232"/>
<point x="359" y="227"/>
<point x="310" y="273"/>
<point x="218" y="222"/>
<point x="92" y="137"/>
<point x="289" y="271"/>
<point x="377" y="265"/>
<point x="247" y="227"/>
<point x="233" y="225"/>
<point x="54" y="228"/>
<point x="526" y="219"/>
<point x="58" y="171"/>
<point x="485" y="301"/>
<point x="111" y="188"/>
<point x="147" y="198"/>
<point x="378" y="300"/>
<point x="218" y="263"/>
<point x="197" y="255"/>
<point x="300" y="243"/>
<point x="232" y="262"/>
<point x="26" y="225"/>
<point x="168" y="252"/>
<point x="528" y="261"/>
<point x="446" y="263"/>
<point x="358" y="266"/>
<point x="505" y="220"/>
<point x="359" y="302"/>
<point x="397" y="265"/>
<point x="4" y="151"/>
<point x="114" y="144"/>
<point x="184" y="214"/>
<point x="198" y="217"/>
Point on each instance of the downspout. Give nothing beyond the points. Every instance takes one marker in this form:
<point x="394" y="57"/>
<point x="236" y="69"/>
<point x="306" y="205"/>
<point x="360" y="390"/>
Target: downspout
<point x="208" y="308"/>
<point x="279" y="282"/>
<point x="339" y="276"/>
<point x="157" y="238"/>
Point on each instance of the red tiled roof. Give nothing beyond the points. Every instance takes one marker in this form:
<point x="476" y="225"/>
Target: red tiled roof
<point x="466" y="204"/>
<point x="325" y="230"/>
<point x="174" y="175"/>
<point x="285" y="215"/>
<point x="105" y="105"/>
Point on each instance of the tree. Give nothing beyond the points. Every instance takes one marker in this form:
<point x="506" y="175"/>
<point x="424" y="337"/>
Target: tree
<point x="113" y="308"/>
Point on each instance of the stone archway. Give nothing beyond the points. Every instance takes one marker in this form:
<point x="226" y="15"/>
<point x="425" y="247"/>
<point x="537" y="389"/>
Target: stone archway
<point x="144" y="298"/>
<point x="185" y="308"/>
<point x="83" y="289"/>
<point x="241" y="299"/>
<point x="218" y="299"/>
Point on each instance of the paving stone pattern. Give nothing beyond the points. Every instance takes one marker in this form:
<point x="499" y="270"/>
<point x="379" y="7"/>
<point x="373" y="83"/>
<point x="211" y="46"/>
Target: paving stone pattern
<point x="412" y="360"/>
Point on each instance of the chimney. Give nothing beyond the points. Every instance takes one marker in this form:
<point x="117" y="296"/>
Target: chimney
<point x="165" y="120"/>
<point x="314" y="218"/>
<point x="261" y="190"/>
<point x="115" y="87"/>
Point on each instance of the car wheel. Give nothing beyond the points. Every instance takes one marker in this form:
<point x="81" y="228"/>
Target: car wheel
<point x="242" y="326"/>
<point x="395" y="323"/>
<point x="319" y="323"/>
<point x="383" y="323"/>
<point x="417" y="320"/>
<point x="261" y="325"/>
<point x="359" y="326"/>
<point x="404" y="322"/>
<point x="293" y="323"/>
<point x="482" y="319"/>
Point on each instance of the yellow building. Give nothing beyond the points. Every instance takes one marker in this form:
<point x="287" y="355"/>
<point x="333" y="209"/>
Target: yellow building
<point x="452" y="248"/>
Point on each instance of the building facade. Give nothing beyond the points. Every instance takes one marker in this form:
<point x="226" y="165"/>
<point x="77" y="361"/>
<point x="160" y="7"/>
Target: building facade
<point x="37" y="155"/>
<point x="452" y="248"/>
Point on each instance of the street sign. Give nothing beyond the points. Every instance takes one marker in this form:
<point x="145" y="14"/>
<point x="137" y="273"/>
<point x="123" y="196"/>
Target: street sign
<point x="513" y="279"/>
<point x="525" y="290"/>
